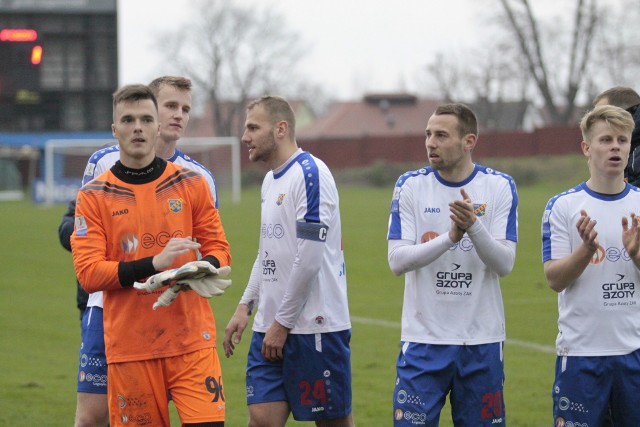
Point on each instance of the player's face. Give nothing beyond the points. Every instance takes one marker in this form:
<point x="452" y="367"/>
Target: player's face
<point x="136" y="128"/>
<point x="259" y="135"/>
<point x="445" y="147"/>
<point x="607" y="149"/>
<point x="174" y="106"/>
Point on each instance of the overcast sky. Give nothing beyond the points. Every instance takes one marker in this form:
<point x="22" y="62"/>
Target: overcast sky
<point x="349" y="34"/>
<point x="345" y="37"/>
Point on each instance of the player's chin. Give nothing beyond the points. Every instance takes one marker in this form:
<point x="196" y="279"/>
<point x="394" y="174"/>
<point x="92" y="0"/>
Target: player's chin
<point x="171" y="134"/>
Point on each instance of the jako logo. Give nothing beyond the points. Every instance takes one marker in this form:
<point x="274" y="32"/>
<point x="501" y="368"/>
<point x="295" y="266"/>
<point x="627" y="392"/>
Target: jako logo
<point x="431" y="210"/>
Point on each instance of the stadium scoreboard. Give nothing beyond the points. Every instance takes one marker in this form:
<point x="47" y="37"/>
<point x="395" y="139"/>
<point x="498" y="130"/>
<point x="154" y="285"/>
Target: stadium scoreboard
<point x="58" y="66"/>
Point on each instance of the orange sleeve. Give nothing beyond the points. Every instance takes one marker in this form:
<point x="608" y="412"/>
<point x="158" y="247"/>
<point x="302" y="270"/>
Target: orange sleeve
<point x="88" y="244"/>
<point x="207" y="226"/>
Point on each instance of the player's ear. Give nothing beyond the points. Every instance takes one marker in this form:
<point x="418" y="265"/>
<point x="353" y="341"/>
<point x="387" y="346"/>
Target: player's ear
<point x="470" y="141"/>
<point x="585" y="148"/>
<point x="113" y="130"/>
<point x="282" y="127"/>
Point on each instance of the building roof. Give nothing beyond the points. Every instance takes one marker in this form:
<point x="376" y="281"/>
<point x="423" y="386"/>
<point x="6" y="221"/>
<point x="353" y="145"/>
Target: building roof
<point x="375" y="114"/>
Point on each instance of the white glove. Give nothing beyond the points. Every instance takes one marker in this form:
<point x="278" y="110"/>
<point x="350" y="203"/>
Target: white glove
<point x="205" y="283"/>
<point x="168" y="296"/>
<point x="191" y="270"/>
<point x="209" y="285"/>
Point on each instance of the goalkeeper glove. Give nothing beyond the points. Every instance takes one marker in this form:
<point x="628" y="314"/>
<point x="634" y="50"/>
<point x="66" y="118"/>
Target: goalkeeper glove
<point x="168" y="296"/>
<point x="207" y="282"/>
<point x="191" y="270"/>
<point x="209" y="285"/>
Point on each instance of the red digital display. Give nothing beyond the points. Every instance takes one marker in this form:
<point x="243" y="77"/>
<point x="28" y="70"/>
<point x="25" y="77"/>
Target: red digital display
<point x="18" y="35"/>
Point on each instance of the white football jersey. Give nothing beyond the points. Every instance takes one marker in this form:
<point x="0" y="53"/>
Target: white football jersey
<point x="455" y="300"/>
<point x="300" y="204"/>
<point x="598" y="314"/>
<point x="103" y="159"/>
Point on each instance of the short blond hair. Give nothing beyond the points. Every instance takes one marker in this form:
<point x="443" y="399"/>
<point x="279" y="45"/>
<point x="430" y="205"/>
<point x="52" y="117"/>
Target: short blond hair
<point x="615" y="117"/>
<point x="177" y="82"/>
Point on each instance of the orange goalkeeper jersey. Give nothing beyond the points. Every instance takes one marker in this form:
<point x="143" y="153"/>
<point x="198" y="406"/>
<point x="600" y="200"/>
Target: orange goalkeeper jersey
<point x="125" y="220"/>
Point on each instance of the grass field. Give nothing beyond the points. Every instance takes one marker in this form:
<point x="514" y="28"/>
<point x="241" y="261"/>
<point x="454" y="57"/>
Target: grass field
<point x="39" y="326"/>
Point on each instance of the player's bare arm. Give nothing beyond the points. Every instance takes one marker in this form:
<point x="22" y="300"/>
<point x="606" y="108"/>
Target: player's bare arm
<point x="586" y="230"/>
<point x="235" y="328"/>
<point x="561" y="273"/>
<point x="631" y="238"/>
<point x="273" y="342"/>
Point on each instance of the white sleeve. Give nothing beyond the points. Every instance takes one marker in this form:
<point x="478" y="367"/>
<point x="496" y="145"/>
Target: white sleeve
<point x="251" y="295"/>
<point x="498" y="255"/>
<point x="306" y="266"/>
<point x="404" y="255"/>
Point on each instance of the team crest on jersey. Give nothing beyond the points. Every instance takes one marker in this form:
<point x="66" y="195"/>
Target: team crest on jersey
<point x="480" y="209"/>
<point x="429" y="235"/>
<point x="280" y="199"/>
<point x="175" y="205"/>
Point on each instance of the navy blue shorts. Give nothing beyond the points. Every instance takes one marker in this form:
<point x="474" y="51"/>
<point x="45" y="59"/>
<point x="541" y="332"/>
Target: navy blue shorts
<point x="586" y="387"/>
<point x="92" y="371"/>
<point x="314" y="377"/>
<point x="472" y="376"/>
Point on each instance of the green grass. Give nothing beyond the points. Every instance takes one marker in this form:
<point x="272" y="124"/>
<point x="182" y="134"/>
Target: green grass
<point x="39" y="326"/>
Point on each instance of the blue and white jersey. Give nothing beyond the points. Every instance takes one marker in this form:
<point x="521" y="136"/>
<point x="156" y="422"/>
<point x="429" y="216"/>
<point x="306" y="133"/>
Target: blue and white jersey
<point x="456" y="299"/>
<point x="598" y="314"/>
<point x="103" y="159"/>
<point x="300" y="209"/>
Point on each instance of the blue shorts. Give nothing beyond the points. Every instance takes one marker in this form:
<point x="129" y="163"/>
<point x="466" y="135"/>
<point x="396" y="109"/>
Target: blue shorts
<point x="314" y="377"/>
<point x="473" y="375"/>
<point x="585" y="387"/>
<point x="92" y="371"/>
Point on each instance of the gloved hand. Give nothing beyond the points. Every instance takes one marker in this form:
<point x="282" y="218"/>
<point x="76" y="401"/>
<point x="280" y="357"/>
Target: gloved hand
<point x="167" y="297"/>
<point x="191" y="270"/>
<point x="209" y="285"/>
<point x="210" y="281"/>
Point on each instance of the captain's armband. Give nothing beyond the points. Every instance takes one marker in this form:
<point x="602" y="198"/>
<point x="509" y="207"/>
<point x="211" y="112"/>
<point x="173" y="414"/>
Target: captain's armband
<point x="311" y="231"/>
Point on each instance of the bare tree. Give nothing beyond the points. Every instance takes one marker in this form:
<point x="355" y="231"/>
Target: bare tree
<point x="233" y="54"/>
<point x="619" y="45"/>
<point x="559" y="100"/>
<point x="549" y="62"/>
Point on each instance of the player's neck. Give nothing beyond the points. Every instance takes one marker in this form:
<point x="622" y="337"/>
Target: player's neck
<point x="458" y="173"/>
<point x="165" y="149"/>
<point x="606" y="185"/>
<point x="283" y="154"/>
<point x="133" y="162"/>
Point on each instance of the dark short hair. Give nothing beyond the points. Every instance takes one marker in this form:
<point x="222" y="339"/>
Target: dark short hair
<point x="130" y="93"/>
<point x="620" y="96"/>
<point x="467" y="120"/>
<point x="278" y="109"/>
<point x="177" y="82"/>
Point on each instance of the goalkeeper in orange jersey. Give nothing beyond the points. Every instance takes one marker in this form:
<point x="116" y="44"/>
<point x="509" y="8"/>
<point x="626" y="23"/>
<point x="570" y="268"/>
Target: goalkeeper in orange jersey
<point x="149" y="222"/>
